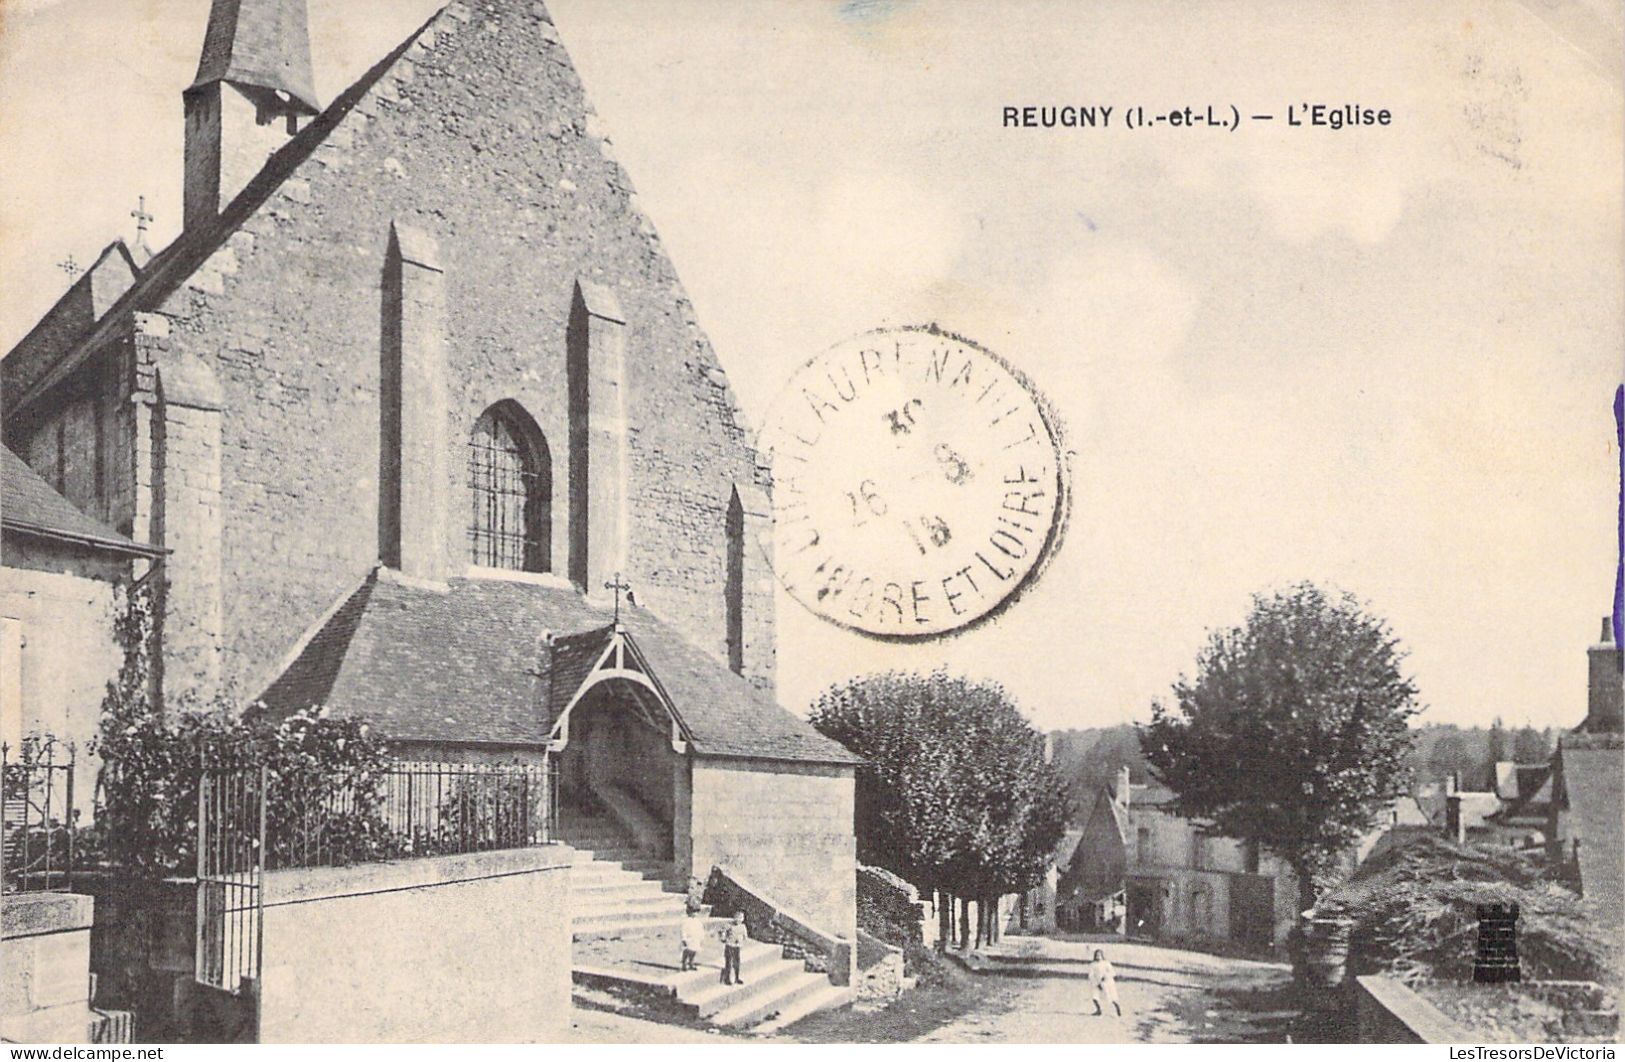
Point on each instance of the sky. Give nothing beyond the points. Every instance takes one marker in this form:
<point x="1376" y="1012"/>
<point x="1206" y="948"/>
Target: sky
<point x="1378" y="358"/>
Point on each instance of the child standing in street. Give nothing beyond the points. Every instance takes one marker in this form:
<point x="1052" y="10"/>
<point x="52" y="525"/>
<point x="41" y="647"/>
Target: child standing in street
<point x="733" y="942"/>
<point x="1105" y="982"/>
<point x="693" y="935"/>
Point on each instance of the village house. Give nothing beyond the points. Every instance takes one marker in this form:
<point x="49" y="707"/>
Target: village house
<point x="1144" y="870"/>
<point x="63" y="579"/>
<point x="1586" y="814"/>
<point x="1092" y="891"/>
<point x="414" y="421"/>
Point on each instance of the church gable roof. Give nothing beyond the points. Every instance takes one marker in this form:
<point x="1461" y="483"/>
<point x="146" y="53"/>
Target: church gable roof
<point x="489" y="661"/>
<point x="86" y="301"/>
<point x="171" y="268"/>
<point x="31" y="506"/>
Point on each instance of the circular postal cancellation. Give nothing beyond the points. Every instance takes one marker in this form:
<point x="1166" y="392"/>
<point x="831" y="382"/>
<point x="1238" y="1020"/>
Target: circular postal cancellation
<point x="918" y="483"/>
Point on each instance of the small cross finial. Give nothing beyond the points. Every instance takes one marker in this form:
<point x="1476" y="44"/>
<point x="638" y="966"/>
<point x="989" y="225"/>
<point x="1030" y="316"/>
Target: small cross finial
<point x="142" y="218"/>
<point x="618" y="585"/>
<point x="70" y="267"/>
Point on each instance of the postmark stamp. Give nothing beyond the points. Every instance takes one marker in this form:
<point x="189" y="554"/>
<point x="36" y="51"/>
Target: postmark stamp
<point x="920" y="483"/>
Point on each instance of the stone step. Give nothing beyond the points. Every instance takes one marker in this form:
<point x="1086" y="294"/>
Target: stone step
<point x="771" y="1000"/>
<point x="584" y="876"/>
<point x="610" y="923"/>
<point x="828" y="998"/>
<point x="761" y="978"/>
<point x="599" y="843"/>
<point x="613" y="929"/>
<point x="754" y="958"/>
<point x="594" y="890"/>
<point x="661" y="903"/>
<point x="615" y="855"/>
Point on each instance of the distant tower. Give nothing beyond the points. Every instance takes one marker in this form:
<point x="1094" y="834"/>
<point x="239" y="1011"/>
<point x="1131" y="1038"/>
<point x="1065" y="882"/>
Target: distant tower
<point x="1605" y="707"/>
<point x="253" y="89"/>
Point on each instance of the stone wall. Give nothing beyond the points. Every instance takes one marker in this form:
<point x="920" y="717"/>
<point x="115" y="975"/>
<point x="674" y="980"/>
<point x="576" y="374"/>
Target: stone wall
<point x="1387" y="1012"/>
<point x="454" y="949"/>
<point x="880" y="975"/>
<point x="787" y="826"/>
<point x="67" y="656"/>
<point x="768" y="918"/>
<point x="480" y="137"/>
<point x="891" y="908"/>
<point x="45" y="968"/>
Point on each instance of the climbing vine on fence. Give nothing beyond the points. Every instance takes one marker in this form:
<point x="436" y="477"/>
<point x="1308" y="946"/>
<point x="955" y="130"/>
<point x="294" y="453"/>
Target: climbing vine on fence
<point x="152" y="755"/>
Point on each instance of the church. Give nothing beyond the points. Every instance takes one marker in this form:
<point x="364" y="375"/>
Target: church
<point x="414" y="422"/>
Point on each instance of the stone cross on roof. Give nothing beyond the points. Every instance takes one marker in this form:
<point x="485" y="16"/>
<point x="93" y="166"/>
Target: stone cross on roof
<point x="618" y="584"/>
<point x="142" y="218"/>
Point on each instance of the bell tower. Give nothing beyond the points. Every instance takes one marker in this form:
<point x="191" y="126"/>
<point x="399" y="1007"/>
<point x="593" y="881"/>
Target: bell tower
<point x="252" y="92"/>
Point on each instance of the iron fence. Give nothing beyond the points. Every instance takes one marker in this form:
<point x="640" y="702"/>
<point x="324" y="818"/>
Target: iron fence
<point x="409" y="810"/>
<point x="253" y="819"/>
<point x="36" y="816"/>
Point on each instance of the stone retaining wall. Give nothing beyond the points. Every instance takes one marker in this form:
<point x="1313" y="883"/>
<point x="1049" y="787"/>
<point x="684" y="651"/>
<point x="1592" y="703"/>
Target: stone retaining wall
<point x="470" y="948"/>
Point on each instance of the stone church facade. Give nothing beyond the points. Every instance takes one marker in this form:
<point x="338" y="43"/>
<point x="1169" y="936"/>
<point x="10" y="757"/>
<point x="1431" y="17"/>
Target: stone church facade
<point x="416" y="382"/>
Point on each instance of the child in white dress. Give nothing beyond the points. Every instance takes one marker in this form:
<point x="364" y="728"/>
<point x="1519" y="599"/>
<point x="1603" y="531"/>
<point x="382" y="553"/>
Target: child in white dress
<point x="1105" y="982"/>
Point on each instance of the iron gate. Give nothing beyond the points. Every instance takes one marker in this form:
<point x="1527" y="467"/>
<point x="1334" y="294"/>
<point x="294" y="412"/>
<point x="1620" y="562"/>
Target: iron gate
<point x="230" y="867"/>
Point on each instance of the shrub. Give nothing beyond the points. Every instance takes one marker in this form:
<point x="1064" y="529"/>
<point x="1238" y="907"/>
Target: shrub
<point x="321" y="771"/>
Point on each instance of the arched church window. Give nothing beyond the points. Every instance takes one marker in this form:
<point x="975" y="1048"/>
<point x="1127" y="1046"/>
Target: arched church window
<point x="511" y="488"/>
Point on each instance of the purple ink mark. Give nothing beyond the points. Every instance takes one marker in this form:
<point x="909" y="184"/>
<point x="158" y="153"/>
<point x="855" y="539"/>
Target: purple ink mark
<point x="1619" y="567"/>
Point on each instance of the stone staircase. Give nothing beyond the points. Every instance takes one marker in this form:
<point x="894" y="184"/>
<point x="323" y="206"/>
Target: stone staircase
<point x="614" y="887"/>
<point x="774" y="992"/>
<point x="627" y="914"/>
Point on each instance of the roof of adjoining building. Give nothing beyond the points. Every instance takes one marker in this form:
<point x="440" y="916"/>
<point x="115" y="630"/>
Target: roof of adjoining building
<point x="1593" y="775"/>
<point x="492" y="661"/>
<point x="31" y="506"/>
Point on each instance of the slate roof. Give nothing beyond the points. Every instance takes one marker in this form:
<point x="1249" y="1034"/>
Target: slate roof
<point x="573" y="656"/>
<point x="1593" y="779"/>
<point x="489" y="661"/>
<point x="86" y="301"/>
<point x="263" y="43"/>
<point x="1066" y="848"/>
<point x="31" y="506"/>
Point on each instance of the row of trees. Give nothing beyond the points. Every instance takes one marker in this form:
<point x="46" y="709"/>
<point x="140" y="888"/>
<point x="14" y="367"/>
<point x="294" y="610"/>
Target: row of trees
<point x="1294" y="733"/>
<point x="955" y="794"/>
<point x="1472" y="753"/>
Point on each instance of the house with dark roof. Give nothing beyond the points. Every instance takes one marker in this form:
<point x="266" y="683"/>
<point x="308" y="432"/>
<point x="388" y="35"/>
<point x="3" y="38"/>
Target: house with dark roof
<point x="1092" y="896"/>
<point x="423" y="425"/>
<point x="1587" y="788"/>
<point x="63" y="575"/>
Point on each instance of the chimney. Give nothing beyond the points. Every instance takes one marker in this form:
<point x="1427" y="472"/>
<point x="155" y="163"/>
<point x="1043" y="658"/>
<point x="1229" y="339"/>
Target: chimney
<point x="1606" y="694"/>
<point x="252" y="91"/>
<point x="1123" y="792"/>
<point x="1454" y="827"/>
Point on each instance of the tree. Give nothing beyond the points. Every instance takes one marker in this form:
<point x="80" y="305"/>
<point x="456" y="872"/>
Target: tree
<point x="1451" y="754"/>
<point x="1530" y="746"/>
<point x="954" y="794"/>
<point x="147" y="805"/>
<point x="1294" y="732"/>
<point x="1498" y="747"/>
